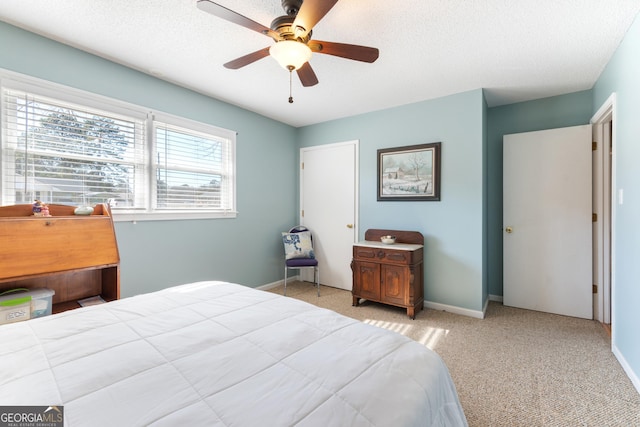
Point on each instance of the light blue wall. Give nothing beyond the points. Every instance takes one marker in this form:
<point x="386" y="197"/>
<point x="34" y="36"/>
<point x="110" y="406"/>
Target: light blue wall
<point x="622" y="76"/>
<point x="555" y="112"/>
<point x="452" y="227"/>
<point x="157" y="254"/>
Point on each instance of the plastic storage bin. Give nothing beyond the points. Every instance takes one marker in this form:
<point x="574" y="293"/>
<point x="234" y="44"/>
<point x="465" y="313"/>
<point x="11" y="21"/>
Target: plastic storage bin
<point x="41" y="302"/>
<point x="25" y="304"/>
<point x="14" y="307"/>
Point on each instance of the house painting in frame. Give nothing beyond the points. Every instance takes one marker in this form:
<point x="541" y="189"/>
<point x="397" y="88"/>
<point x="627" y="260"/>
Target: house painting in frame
<point x="409" y="173"/>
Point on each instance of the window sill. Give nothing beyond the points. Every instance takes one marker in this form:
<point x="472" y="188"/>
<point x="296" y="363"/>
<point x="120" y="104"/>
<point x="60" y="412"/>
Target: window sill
<point x="170" y="216"/>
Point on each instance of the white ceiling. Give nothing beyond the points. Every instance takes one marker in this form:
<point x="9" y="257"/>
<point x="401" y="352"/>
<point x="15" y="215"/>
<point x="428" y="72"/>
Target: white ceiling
<point x="517" y="50"/>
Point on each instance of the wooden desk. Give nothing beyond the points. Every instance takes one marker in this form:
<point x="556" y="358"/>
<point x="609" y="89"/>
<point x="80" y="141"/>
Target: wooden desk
<point x="76" y="256"/>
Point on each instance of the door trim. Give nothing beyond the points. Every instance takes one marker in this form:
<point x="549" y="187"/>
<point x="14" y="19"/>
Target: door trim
<point x="606" y="113"/>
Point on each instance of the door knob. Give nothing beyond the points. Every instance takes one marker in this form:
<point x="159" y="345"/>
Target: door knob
<point x="349" y="225"/>
<point x="509" y="230"/>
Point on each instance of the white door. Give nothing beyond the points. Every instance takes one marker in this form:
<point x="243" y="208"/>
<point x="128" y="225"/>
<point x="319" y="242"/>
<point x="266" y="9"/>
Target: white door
<point x="547" y="238"/>
<point x="328" y="204"/>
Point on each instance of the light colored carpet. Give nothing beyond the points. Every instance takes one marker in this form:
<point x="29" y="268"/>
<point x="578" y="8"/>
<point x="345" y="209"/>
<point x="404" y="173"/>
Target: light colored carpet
<point x="515" y="367"/>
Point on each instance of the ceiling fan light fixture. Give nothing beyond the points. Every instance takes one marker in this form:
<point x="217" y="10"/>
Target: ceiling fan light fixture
<point x="290" y="54"/>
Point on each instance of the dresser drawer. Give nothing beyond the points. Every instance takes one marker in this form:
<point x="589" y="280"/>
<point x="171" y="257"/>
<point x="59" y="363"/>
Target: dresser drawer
<point x="389" y="256"/>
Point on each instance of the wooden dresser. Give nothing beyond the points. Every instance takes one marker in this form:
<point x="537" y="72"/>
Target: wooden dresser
<point x="76" y="256"/>
<point x="389" y="274"/>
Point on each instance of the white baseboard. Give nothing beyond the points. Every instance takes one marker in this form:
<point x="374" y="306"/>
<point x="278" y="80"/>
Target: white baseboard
<point x="277" y="283"/>
<point x="270" y="285"/>
<point x="497" y="298"/>
<point x="627" y="369"/>
<point x="453" y="309"/>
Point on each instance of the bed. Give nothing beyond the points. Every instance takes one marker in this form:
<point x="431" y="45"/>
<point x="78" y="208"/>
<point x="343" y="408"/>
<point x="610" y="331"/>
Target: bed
<point x="217" y="353"/>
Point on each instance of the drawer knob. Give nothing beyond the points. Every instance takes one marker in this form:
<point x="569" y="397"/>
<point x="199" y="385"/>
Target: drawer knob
<point x="380" y="254"/>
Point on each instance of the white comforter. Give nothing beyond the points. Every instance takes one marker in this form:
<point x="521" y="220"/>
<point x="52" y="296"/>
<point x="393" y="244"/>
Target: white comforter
<point x="213" y="353"/>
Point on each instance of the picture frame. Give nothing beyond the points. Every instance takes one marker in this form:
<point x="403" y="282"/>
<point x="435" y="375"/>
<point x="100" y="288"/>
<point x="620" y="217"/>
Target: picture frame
<point x="410" y="173"/>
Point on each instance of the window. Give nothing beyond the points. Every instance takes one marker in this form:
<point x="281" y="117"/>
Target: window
<point x="63" y="153"/>
<point x="192" y="168"/>
<point x="62" y="148"/>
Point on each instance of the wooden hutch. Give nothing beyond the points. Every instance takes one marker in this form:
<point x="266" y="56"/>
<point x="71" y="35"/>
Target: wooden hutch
<point x="74" y="255"/>
<point x="389" y="274"/>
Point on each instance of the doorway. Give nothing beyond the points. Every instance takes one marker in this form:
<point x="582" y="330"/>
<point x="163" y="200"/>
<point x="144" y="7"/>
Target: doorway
<point x="328" y="207"/>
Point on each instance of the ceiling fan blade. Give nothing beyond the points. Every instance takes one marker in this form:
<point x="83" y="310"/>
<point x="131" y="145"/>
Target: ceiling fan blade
<point x="307" y="75"/>
<point x="348" y="51"/>
<point x="247" y="59"/>
<point x="310" y="13"/>
<point x="234" y="17"/>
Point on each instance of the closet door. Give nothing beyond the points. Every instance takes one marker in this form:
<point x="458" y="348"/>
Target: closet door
<point x="547" y="221"/>
<point x="328" y="207"/>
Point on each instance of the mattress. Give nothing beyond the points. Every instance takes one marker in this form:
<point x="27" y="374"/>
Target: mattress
<point x="222" y="354"/>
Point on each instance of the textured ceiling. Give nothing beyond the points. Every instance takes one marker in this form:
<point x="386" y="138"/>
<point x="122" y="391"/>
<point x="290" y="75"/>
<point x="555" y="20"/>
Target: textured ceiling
<point x="516" y="50"/>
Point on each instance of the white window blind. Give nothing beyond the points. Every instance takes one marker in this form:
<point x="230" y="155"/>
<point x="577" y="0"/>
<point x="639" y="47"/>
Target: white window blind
<point x="194" y="169"/>
<point x="62" y="145"/>
<point x="59" y="152"/>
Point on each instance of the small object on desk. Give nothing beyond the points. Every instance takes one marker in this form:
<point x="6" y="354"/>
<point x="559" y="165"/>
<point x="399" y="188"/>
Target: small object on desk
<point x="83" y="210"/>
<point x="40" y="209"/>
<point x="37" y="208"/>
<point x="388" y="240"/>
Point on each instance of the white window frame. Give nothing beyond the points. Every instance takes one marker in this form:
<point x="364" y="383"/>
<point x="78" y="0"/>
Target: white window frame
<point x="63" y="93"/>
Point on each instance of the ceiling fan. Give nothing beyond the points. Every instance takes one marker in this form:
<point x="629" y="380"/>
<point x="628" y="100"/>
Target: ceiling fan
<point x="292" y="34"/>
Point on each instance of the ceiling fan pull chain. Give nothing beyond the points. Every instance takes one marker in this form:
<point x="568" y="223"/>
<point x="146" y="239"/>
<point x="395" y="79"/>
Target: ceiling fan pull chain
<point x="290" y="85"/>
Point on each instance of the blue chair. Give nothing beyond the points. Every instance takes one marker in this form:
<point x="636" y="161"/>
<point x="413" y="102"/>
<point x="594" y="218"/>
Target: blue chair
<point x="304" y="258"/>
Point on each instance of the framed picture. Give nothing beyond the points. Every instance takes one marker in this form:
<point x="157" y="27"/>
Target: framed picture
<point x="409" y="173"/>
